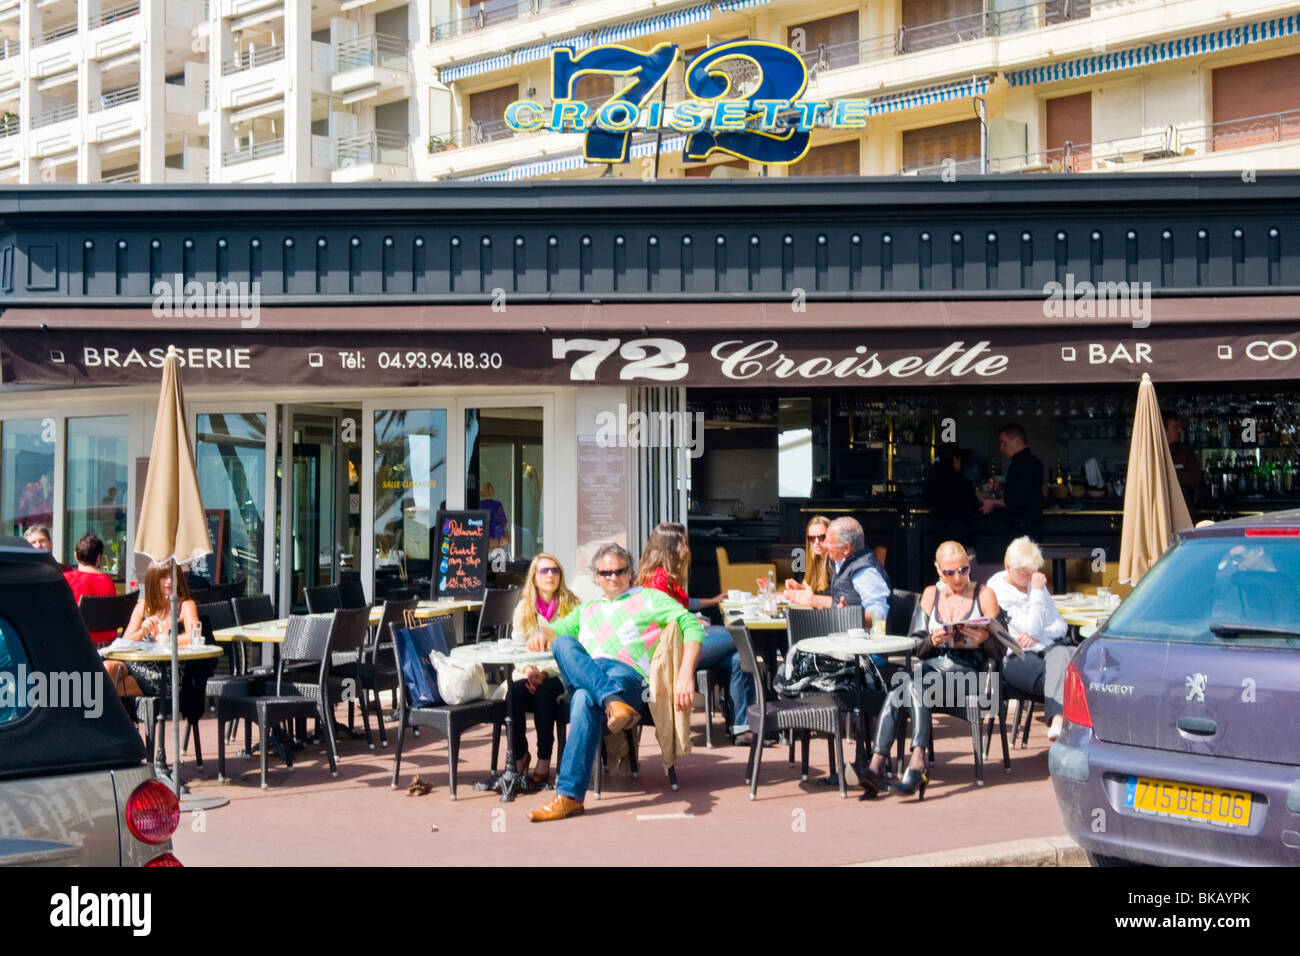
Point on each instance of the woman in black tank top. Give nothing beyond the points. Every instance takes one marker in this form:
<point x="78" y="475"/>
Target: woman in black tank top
<point x="945" y="650"/>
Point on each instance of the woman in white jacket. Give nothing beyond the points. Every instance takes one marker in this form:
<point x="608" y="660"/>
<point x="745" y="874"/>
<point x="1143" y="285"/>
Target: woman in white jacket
<point x="1037" y="626"/>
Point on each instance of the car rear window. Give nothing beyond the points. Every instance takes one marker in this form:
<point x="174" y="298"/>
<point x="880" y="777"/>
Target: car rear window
<point x="13" y="675"/>
<point x="1219" y="583"/>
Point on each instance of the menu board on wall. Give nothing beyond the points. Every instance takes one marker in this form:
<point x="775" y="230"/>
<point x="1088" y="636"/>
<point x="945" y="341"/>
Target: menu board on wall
<point x="461" y="553"/>
<point x="602" y="497"/>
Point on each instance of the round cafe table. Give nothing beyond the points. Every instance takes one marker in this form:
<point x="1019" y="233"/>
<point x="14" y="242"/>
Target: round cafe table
<point x="508" y="782"/>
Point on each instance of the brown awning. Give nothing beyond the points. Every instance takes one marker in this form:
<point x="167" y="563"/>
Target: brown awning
<point x="505" y="315"/>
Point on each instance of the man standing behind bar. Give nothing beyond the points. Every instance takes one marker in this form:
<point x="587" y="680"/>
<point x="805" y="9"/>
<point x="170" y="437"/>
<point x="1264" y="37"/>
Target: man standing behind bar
<point x="604" y="649"/>
<point x="858" y="578"/>
<point x="1022" y="493"/>
<point x="1190" y="478"/>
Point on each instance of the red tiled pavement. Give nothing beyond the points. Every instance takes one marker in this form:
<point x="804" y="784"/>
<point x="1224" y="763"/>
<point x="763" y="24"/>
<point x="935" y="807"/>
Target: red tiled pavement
<point x="308" y="818"/>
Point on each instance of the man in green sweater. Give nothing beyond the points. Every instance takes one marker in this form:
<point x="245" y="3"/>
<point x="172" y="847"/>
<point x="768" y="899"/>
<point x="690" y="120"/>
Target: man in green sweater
<point x="604" y="649"/>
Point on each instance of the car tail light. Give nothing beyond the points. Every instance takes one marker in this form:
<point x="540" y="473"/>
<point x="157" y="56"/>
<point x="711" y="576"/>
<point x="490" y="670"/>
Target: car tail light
<point x="152" y="812"/>
<point x="165" y="859"/>
<point x="1273" y="532"/>
<point x="1075" y="708"/>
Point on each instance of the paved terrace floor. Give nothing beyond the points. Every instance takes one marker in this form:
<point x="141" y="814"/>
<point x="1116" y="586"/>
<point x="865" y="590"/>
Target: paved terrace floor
<point x="306" y="817"/>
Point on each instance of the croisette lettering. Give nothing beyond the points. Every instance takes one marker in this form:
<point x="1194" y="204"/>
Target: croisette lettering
<point x="741" y="361"/>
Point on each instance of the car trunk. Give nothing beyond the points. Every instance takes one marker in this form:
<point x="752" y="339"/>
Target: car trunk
<point x="1149" y="694"/>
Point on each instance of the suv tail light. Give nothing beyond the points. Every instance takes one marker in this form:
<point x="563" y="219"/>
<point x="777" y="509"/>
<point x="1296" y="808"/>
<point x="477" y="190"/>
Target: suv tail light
<point x="1272" y="532"/>
<point x="152" y="812"/>
<point x="1075" y="708"/>
<point x="164" y="859"/>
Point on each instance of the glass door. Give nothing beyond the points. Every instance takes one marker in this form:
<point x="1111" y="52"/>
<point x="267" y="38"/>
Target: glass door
<point x="314" y="497"/>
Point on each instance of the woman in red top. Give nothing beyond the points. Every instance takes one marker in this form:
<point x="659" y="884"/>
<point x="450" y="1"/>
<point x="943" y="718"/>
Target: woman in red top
<point x="86" y="578"/>
<point x="665" y="566"/>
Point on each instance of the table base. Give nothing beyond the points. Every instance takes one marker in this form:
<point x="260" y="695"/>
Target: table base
<point x="509" y="783"/>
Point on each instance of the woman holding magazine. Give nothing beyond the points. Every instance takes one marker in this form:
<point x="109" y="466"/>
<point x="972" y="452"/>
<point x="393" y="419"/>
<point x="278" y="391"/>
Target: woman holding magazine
<point x="951" y="626"/>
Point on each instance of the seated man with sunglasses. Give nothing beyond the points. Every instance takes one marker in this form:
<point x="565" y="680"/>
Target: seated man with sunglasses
<point x="604" y="649"/>
<point x="857" y="577"/>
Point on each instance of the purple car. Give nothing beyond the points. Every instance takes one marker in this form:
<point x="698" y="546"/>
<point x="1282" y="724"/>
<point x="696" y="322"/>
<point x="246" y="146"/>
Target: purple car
<point x="1182" y="714"/>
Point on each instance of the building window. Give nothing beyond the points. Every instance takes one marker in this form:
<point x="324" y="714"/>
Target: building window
<point x="1069" y="132"/>
<point x="503" y="473"/>
<point x="410" y="471"/>
<point x="97" y="490"/>
<point x="1256" y="102"/>
<point x="487" y="113"/>
<point x="230" y="455"/>
<point x="836" y="159"/>
<point x="934" y="23"/>
<point x="928" y="148"/>
<point x="26" y="474"/>
<point x="828" y="43"/>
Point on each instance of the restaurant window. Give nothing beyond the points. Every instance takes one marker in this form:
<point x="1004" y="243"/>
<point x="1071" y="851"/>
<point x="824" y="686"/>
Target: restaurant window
<point x="97" y="489"/>
<point x="828" y="43"/>
<point x="1069" y="120"/>
<point x="927" y="24"/>
<point x="487" y="113"/>
<point x="410" y="470"/>
<point x="836" y="159"/>
<point x="1256" y="102"/>
<point x="794" y="443"/>
<point x="503" y="473"/>
<point x="928" y="147"/>
<point x="230" y="455"/>
<point x="26" y="474"/>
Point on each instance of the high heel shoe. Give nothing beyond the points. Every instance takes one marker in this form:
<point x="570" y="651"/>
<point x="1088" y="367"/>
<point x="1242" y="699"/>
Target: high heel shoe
<point x="914" y="781"/>
<point x="872" y="784"/>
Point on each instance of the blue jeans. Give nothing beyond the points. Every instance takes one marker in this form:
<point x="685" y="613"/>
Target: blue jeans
<point x="592" y="682"/>
<point x="719" y="651"/>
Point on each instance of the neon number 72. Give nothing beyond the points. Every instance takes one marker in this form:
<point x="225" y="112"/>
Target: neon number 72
<point x="646" y="72"/>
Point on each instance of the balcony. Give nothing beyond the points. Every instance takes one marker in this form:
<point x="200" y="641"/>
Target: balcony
<point x="132" y="177"/>
<point x="55" y="34"/>
<point x="56" y="115"/>
<point x="373" y="49"/>
<point x="105" y="17"/>
<point x="10" y="125"/>
<point x="493" y="13"/>
<point x="249" y="59"/>
<point x="253" y="151"/>
<point x="9" y="48"/>
<point x="106" y="101"/>
<point x="373" y="67"/>
<point x="372" y="146"/>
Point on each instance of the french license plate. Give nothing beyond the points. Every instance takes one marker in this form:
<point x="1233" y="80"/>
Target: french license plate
<point x="1227" y="808"/>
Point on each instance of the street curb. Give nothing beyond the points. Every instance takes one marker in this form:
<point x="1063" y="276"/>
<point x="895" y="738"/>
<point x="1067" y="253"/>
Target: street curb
<point x="1039" y="851"/>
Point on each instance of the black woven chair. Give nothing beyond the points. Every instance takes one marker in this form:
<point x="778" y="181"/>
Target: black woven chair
<point x="817" y="713"/>
<point x="323" y="599"/>
<point x="350" y="629"/>
<point x="379" y="664"/>
<point x="708" y="683"/>
<point x="108" y="613"/>
<point x="450" y="720"/>
<point x="803" y="622"/>
<point x="214" y="617"/>
<point x="902" y="605"/>
<point x="497" y="613"/>
<point x="306" y="640"/>
<point x="352" y="594"/>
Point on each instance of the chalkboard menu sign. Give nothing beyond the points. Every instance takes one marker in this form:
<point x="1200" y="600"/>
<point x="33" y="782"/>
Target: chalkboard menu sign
<point x="461" y="554"/>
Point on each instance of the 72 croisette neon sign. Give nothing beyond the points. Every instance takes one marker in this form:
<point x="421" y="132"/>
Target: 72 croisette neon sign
<point x="761" y="127"/>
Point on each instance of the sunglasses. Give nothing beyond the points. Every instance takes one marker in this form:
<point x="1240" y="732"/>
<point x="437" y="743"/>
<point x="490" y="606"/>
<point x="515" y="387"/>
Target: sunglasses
<point x="548" y="570"/>
<point x="612" y="574"/>
<point x="956" y="572"/>
<point x="816" y="537"/>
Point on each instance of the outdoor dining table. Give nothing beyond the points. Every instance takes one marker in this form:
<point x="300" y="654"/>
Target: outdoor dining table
<point x="508" y="782"/>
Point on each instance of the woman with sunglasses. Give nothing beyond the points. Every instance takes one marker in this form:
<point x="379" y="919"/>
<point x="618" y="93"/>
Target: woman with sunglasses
<point x="665" y="566"/>
<point x="545" y="598"/>
<point x="816" y="556"/>
<point x="947" y="647"/>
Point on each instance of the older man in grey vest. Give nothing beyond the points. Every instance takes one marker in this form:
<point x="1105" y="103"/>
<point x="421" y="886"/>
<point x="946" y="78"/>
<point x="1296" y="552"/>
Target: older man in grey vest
<point x="859" y="579"/>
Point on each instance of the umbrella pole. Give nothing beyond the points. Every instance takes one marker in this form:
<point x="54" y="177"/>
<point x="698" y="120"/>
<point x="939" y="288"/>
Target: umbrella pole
<point x="176" y="688"/>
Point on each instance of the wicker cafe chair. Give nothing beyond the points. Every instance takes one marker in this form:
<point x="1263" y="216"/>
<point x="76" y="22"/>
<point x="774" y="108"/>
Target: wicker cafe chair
<point x="349" y="631"/>
<point x="816" y="713"/>
<point x="497" y="613"/>
<point x="307" y="640"/>
<point x="108" y="613"/>
<point x="323" y="599"/>
<point x="378" y="663"/>
<point x="214" y="617"/>
<point x="352" y="594"/>
<point x="450" y="720"/>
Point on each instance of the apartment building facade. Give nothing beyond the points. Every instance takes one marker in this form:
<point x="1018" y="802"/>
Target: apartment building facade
<point x="228" y="91"/>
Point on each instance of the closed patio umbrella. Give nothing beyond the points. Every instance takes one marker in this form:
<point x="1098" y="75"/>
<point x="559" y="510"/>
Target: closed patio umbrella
<point x="1154" y="508"/>
<point x="172" y="528"/>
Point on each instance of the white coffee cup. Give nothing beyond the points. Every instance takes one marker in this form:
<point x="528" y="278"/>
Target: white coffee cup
<point x="735" y="594"/>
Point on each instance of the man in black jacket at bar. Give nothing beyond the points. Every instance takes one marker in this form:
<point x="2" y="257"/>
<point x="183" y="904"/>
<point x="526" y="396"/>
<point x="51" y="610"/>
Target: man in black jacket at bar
<point x="1022" y="493"/>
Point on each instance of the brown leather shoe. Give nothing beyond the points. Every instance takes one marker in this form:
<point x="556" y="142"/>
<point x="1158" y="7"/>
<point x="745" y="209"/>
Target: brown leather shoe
<point x="620" y="716"/>
<point x="559" y="808"/>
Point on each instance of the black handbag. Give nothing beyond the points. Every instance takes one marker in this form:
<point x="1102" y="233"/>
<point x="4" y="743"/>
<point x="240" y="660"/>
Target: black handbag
<point x="818" y="674"/>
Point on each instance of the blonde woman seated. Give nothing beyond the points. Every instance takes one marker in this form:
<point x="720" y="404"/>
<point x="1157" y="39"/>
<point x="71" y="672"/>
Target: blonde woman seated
<point x="1037" y="626"/>
<point x="545" y="598"/>
<point x="151" y="621"/>
<point x="816" y="555"/>
<point x="943" y="649"/>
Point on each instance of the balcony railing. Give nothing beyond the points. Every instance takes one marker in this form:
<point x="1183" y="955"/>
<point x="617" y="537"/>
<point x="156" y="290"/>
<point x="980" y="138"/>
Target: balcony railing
<point x="491" y="13"/>
<point x="259" y="56"/>
<point x="106" y="101"/>
<point x="373" y="49"/>
<point x="133" y="177"/>
<point x="372" y="146"/>
<point x="57" y="33"/>
<point x="112" y="16"/>
<point x="9" y="126"/>
<point x="247" y="154"/>
<point x="9" y="48"/>
<point x="56" y="115"/>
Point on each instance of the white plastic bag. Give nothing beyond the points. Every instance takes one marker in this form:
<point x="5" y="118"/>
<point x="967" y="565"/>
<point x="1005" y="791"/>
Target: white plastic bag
<point x="459" y="682"/>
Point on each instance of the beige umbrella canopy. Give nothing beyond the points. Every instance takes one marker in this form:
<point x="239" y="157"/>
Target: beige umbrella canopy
<point x="1154" y="508"/>
<point x="172" y="525"/>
